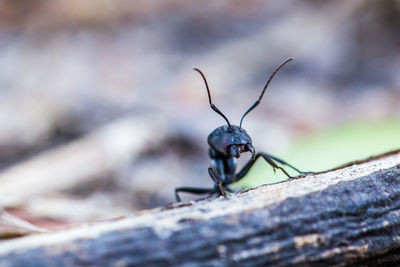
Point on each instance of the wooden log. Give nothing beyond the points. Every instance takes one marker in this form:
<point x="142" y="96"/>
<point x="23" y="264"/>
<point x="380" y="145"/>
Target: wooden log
<point x="347" y="216"/>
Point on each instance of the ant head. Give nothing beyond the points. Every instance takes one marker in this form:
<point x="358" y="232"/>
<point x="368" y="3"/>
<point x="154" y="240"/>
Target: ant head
<point x="231" y="140"/>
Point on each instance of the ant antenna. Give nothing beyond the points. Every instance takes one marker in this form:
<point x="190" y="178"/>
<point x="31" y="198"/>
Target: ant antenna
<point x="209" y="98"/>
<point x="263" y="91"/>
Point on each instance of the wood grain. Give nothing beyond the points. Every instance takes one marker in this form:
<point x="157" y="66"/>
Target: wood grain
<point x="346" y="216"/>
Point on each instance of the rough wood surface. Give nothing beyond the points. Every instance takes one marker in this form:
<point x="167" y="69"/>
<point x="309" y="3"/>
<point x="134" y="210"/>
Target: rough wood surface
<point x="347" y="216"/>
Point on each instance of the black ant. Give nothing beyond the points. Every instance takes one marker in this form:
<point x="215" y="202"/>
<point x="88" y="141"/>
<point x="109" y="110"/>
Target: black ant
<point x="226" y="144"/>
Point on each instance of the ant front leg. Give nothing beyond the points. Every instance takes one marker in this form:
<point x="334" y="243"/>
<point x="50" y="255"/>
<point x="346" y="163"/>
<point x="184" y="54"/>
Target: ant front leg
<point x="217" y="181"/>
<point x="281" y="161"/>
<point x="270" y="159"/>
<point x="192" y="190"/>
<point x="274" y="165"/>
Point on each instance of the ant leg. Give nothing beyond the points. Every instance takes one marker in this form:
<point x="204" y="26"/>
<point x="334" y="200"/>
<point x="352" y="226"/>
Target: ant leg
<point x="217" y="181"/>
<point x="192" y="190"/>
<point x="273" y="164"/>
<point x="282" y="162"/>
<point x="245" y="168"/>
<point x="250" y="163"/>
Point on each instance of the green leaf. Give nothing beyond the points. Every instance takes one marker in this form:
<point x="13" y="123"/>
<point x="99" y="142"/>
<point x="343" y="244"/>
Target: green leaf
<point x="328" y="149"/>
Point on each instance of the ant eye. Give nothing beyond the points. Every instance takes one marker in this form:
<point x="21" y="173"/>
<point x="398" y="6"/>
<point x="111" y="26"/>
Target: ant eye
<point x="218" y="133"/>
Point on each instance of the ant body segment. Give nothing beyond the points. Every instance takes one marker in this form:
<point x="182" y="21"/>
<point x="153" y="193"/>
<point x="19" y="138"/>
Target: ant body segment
<point x="226" y="143"/>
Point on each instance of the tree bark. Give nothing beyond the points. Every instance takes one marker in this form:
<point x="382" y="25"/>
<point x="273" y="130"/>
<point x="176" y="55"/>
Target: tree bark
<point x="347" y="216"/>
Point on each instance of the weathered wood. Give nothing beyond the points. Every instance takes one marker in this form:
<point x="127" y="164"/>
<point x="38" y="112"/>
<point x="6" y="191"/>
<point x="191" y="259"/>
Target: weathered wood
<point x="347" y="216"/>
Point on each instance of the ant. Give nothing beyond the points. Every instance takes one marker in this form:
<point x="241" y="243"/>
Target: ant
<point x="226" y="143"/>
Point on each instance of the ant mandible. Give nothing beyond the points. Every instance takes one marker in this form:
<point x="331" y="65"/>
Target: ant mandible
<point x="226" y="143"/>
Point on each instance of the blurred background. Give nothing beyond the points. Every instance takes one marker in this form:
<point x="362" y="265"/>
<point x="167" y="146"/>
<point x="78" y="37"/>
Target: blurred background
<point x="101" y="114"/>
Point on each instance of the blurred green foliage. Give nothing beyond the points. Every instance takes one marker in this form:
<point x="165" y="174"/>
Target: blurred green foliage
<point x="329" y="149"/>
